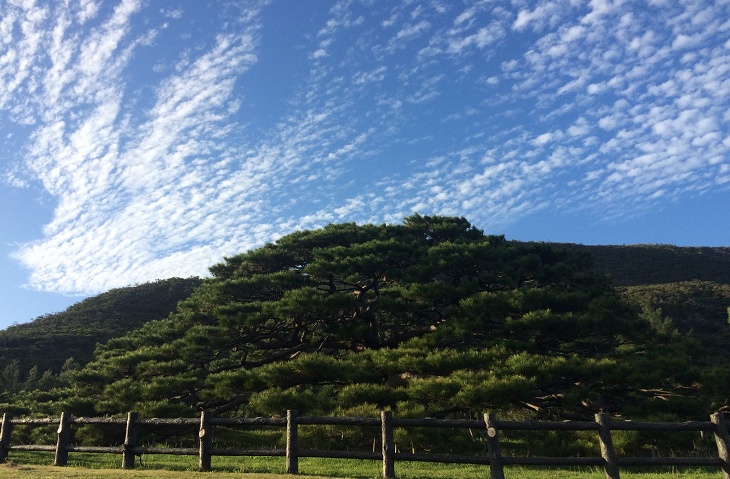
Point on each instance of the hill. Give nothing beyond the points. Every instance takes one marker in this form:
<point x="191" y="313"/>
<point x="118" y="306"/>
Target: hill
<point x="689" y="285"/>
<point x="50" y="340"/>
<point x="659" y="264"/>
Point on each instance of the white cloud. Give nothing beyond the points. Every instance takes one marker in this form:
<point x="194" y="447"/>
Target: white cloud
<point x="372" y="76"/>
<point x="559" y="105"/>
<point x="412" y="30"/>
<point x="465" y="16"/>
<point x="543" y="139"/>
<point x="544" y="14"/>
<point x="482" y="38"/>
<point x="682" y="41"/>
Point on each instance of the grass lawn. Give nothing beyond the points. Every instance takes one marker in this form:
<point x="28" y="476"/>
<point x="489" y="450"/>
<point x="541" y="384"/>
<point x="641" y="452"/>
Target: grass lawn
<point x="106" y="466"/>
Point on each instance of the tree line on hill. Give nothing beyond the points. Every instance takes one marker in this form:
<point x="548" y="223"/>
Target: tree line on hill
<point x="430" y="317"/>
<point x="34" y="354"/>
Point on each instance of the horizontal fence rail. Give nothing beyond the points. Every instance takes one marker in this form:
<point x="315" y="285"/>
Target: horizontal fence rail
<point x="205" y="425"/>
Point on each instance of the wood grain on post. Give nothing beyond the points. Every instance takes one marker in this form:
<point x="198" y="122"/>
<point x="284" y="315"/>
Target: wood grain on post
<point x="292" y="442"/>
<point x="206" y="441"/>
<point x="723" y="442"/>
<point x="64" y="440"/>
<point x="607" y="451"/>
<point x="496" y="467"/>
<point x="130" y="441"/>
<point x="5" y="430"/>
<point x="386" y="419"/>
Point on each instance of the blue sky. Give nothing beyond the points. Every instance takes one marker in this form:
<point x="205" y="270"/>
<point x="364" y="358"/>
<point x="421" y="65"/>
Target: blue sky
<point x="143" y="139"/>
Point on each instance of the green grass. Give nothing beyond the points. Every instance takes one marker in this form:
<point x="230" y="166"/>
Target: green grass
<point x="104" y="466"/>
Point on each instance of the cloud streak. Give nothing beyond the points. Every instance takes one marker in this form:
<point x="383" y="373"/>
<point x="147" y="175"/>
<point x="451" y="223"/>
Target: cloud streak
<point x="147" y="138"/>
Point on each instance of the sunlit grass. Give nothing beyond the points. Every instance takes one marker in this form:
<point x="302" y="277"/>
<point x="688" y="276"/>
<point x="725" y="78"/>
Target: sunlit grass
<point x="26" y="465"/>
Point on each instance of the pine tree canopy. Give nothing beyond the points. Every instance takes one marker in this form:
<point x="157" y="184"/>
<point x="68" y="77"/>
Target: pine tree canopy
<point x="428" y="317"/>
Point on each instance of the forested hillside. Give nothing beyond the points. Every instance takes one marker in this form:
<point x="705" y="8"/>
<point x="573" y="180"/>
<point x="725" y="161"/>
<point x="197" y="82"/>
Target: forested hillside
<point x="430" y="317"/>
<point x="691" y="286"/>
<point x="659" y="264"/>
<point x="49" y="341"/>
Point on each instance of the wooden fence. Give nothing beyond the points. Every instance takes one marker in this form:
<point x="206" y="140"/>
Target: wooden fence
<point x="602" y="425"/>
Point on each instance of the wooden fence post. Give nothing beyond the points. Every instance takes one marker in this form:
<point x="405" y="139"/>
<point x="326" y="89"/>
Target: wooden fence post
<point x="206" y="441"/>
<point x="64" y="440"/>
<point x="722" y="441"/>
<point x="5" y="430"/>
<point x="386" y="420"/>
<point x="292" y="442"/>
<point x="607" y="451"/>
<point x="130" y="441"/>
<point x="496" y="468"/>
